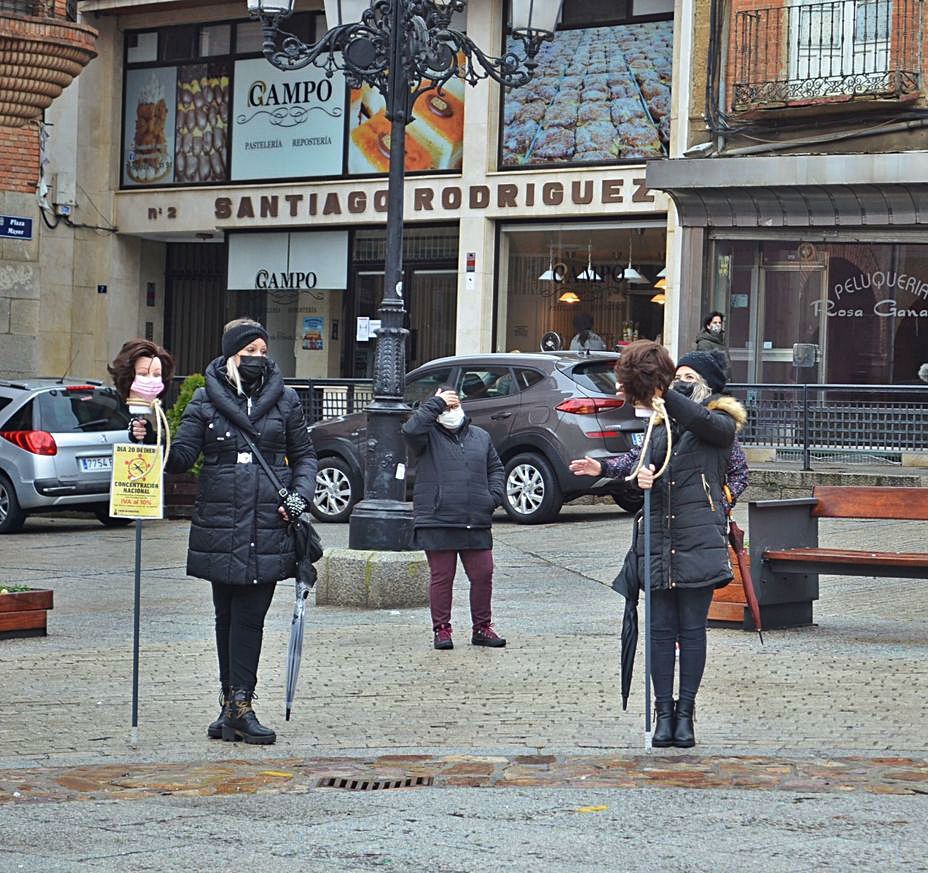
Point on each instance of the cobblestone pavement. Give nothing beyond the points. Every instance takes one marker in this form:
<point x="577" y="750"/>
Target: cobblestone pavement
<point x="832" y="711"/>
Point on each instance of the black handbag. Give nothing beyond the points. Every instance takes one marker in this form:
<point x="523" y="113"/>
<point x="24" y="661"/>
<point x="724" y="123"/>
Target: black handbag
<point x="306" y="542"/>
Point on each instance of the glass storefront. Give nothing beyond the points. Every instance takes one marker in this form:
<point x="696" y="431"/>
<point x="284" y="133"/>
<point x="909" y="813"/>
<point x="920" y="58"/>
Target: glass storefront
<point x="865" y="305"/>
<point x="560" y="278"/>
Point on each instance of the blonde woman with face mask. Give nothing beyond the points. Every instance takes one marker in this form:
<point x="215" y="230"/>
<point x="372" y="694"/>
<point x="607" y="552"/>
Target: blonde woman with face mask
<point x="459" y="482"/>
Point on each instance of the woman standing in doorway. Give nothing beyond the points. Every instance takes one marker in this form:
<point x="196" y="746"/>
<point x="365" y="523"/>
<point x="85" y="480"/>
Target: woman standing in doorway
<point x="239" y="538"/>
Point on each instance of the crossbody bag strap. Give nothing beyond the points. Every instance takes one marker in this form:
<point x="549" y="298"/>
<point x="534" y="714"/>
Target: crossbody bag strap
<point x="281" y="491"/>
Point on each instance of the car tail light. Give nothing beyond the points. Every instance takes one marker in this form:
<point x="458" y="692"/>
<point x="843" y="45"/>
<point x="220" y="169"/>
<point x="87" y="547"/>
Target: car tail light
<point x="590" y="405"/>
<point x="38" y="442"/>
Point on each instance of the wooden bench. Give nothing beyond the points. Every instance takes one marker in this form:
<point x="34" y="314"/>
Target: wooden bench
<point x="786" y="559"/>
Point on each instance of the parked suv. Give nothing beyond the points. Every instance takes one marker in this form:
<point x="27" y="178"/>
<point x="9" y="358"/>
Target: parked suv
<point x="56" y="447"/>
<point x="541" y="411"/>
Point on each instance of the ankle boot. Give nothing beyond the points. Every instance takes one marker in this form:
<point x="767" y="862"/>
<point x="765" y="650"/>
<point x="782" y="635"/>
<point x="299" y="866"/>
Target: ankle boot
<point x="243" y="724"/>
<point x="214" y="731"/>
<point x="684" y="737"/>
<point x="663" y="730"/>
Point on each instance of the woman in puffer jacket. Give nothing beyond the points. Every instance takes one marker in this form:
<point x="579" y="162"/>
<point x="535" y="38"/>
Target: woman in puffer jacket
<point x="689" y="542"/>
<point x="239" y="537"/>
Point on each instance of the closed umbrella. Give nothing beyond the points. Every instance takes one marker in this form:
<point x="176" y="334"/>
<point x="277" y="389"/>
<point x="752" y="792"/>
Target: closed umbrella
<point x="626" y="584"/>
<point x="736" y="539"/>
<point x="295" y="647"/>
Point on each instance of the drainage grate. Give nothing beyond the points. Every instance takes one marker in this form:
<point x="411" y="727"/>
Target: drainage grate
<point x="374" y="784"/>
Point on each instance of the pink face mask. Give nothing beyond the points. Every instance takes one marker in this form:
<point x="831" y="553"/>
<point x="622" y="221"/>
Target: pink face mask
<point x="146" y="388"/>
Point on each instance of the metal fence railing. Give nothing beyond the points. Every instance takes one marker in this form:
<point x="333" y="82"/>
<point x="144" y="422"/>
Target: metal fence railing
<point x="852" y="423"/>
<point x="322" y="398"/>
<point x="803" y="51"/>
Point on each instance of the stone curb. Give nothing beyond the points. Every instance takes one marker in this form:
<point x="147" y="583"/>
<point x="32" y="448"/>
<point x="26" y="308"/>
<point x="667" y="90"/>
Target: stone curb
<point x="898" y="776"/>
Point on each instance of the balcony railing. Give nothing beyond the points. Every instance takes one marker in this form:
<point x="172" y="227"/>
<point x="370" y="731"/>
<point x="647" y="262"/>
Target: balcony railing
<point x="803" y="52"/>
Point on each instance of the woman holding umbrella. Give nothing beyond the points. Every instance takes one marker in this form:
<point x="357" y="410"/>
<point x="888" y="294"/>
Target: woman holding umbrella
<point x="689" y="546"/>
<point x="239" y="539"/>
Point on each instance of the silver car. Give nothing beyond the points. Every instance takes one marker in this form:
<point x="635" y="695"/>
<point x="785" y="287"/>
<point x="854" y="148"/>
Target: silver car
<point x="541" y="411"/>
<point x="56" y="447"/>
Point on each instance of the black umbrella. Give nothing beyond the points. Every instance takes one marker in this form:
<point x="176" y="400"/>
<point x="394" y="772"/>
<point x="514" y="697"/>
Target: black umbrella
<point x="627" y="584"/>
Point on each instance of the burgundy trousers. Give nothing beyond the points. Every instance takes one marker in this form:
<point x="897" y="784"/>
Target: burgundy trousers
<point x="478" y="564"/>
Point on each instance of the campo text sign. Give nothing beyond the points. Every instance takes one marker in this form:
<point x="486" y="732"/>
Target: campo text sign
<point x="15" y="228"/>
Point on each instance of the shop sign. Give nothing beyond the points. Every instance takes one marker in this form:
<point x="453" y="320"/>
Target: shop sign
<point x="438" y="197"/>
<point x="286" y="124"/>
<point x="843" y="304"/>
<point x="302" y="261"/>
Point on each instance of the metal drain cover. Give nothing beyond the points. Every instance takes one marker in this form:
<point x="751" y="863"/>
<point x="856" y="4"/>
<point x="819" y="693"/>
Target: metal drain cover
<point x="374" y="784"/>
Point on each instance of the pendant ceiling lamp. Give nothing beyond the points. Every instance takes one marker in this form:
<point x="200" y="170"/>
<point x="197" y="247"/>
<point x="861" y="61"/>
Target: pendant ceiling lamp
<point x="659" y="298"/>
<point x="661" y="283"/>
<point x="569" y="297"/>
<point x="663" y="273"/>
<point x="631" y="274"/>
<point x="548" y="275"/>
<point x="589" y="274"/>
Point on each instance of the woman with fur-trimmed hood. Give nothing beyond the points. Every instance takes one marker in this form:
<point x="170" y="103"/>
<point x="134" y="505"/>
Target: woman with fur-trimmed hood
<point x="689" y="526"/>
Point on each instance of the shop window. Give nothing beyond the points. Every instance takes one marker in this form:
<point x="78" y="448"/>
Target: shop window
<point x="248" y="38"/>
<point x="178" y="43"/>
<point x="215" y="39"/>
<point x="141" y="48"/>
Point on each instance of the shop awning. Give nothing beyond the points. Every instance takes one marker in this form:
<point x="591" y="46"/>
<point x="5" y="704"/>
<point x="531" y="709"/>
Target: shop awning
<point x="796" y="190"/>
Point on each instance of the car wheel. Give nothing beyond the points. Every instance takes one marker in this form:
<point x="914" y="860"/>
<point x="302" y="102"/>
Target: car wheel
<point x="630" y="501"/>
<point x="103" y="516"/>
<point x="532" y="492"/>
<point x="12" y="518"/>
<point x="337" y="491"/>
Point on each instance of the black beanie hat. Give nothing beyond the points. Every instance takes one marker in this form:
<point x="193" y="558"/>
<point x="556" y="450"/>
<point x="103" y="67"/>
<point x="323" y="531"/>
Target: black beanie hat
<point x="237" y="337"/>
<point x="709" y="365"/>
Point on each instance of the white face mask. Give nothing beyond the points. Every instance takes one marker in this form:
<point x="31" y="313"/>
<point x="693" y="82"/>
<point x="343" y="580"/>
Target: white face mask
<point x="451" y="418"/>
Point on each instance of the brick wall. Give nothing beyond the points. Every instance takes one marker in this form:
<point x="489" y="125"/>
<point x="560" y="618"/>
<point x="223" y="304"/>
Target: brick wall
<point x="19" y="159"/>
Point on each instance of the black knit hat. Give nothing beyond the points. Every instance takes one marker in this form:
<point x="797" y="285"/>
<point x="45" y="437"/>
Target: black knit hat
<point x="238" y="336"/>
<point x="709" y="365"/>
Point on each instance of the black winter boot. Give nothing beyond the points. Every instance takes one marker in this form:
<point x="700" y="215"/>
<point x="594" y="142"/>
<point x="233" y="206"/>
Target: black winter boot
<point x="684" y="737"/>
<point x="243" y="724"/>
<point x="663" y="730"/>
<point x="214" y="731"/>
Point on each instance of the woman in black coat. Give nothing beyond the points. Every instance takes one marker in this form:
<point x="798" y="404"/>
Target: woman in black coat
<point x="459" y="482"/>
<point x="239" y="537"/>
<point x="689" y="527"/>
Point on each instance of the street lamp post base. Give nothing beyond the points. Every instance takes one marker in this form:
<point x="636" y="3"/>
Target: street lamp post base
<point x="381" y="525"/>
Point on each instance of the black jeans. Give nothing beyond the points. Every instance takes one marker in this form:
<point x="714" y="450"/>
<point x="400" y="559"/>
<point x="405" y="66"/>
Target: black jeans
<point x="240" y="612"/>
<point x="678" y="615"/>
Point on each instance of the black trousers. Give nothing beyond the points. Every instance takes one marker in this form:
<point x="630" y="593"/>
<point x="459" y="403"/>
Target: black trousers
<point x="240" y="613"/>
<point x="678" y="615"/>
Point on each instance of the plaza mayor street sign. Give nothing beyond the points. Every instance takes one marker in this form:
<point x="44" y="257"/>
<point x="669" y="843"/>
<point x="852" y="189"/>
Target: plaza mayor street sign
<point x="13" y="227"/>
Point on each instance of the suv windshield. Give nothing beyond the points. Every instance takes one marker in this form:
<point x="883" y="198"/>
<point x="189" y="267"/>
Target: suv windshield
<point x="596" y="376"/>
<point x="64" y="410"/>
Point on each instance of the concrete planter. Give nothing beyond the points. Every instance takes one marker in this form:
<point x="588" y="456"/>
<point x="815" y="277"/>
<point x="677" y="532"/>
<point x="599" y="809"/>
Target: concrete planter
<point x="25" y="613"/>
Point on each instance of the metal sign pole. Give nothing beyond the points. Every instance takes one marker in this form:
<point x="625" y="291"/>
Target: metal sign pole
<point x="135" y="631"/>
<point x="647" y="619"/>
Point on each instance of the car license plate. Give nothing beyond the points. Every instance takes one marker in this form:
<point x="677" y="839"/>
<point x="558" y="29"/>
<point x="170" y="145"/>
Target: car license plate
<point x="96" y="465"/>
<point x="637" y="439"/>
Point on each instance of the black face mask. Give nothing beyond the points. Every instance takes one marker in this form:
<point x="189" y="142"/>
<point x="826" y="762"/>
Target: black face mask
<point x="252" y="369"/>
<point x="683" y="387"/>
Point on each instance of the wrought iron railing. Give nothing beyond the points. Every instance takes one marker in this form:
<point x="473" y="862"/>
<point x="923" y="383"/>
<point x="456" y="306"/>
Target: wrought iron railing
<point x="62" y="9"/>
<point x="322" y="398"/>
<point x="846" y="423"/>
<point x="806" y="51"/>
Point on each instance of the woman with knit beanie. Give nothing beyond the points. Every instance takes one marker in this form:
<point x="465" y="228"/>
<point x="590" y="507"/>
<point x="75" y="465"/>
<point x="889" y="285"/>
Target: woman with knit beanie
<point x="239" y="537"/>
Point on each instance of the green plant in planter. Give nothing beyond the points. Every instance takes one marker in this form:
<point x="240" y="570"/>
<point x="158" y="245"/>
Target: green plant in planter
<point x="14" y="589"/>
<point x="176" y="412"/>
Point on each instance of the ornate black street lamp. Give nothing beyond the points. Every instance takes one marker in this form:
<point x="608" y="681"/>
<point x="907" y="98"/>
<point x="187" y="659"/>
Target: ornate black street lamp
<point x="402" y="48"/>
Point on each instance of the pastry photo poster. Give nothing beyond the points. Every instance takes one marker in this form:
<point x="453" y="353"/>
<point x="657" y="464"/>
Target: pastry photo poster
<point x="434" y="139"/>
<point x="286" y="124"/>
<point x="149" y="114"/>
<point x="599" y="95"/>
